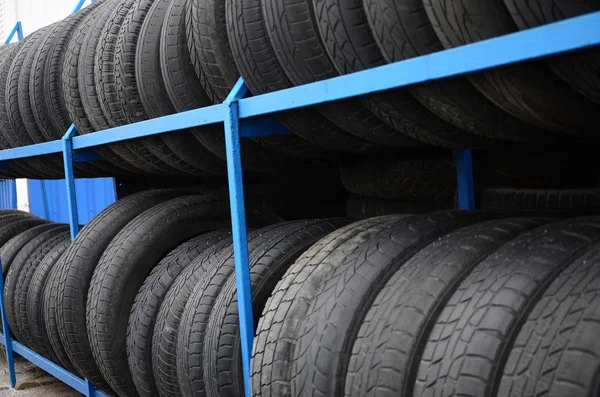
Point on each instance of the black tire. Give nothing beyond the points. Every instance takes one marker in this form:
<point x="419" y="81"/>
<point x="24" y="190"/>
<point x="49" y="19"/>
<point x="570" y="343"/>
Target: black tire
<point x="21" y="167"/>
<point x="187" y="92"/>
<point x="45" y="81"/>
<point x="90" y="100"/>
<point x="208" y="346"/>
<point x="366" y="207"/>
<point x="491" y="305"/>
<point x="67" y="299"/>
<point x="127" y="58"/>
<point x="50" y="316"/>
<point x="125" y="62"/>
<point x="16" y="243"/>
<point x="155" y="96"/>
<point x="430" y="179"/>
<point x="14" y="131"/>
<point x="206" y="24"/>
<point x="72" y="96"/>
<point x="581" y="69"/>
<point x="14" y="225"/>
<point x="24" y="272"/>
<point x="35" y="302"/>
<point x="12" y="282"/>
<point x="333" y="320"/>
<point x="168" y="320"/>
<point x="256" y="61"/>
<point x="302" y="56"/>
<point x="133" y="152"/>
<point x="184" y="91"/>
<point x="528" y="91"/>
<point x="566" y="318"/>
<point x="25" y="95"/>
<point x="147" y="304"/>
<point x="130" y="257"/>
<point x="541" y="201"/>
<point x="402" y="31"/>
<point x="218" y="71"/>
<point x="392" y="335"/>
<point x="279" y="326"/>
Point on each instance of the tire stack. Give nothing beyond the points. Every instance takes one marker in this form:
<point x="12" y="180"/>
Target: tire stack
<point x="123" y="61"/>
<point x="143" y="302"/>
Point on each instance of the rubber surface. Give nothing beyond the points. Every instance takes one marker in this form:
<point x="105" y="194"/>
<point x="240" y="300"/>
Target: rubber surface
<point x="344" y="296"/>
<point x="551" y="201"/>
<point x="184" y="91"/>
<point x="470" y="343"/>
<point x="74" y="93"/>
<point x="134" y="151"/>
<point x="403" y="31"/>
<point x="555" y="352"/>
<point x="7" y="58"/>
<point x="364" y="207"/>
<point x="255" y="59"/>
<point x="208" y="345"/>
<point x="90" y="100"/>
<point x="127" y="261"/>
<point x="147" y="304"/>
<point x="24" y="278"/>
<point x="67" y="303"/>
<point x="285" y="311"/>
<point x="35" y="301"/>
<point x="166" y="329"/>
<point x="391" y="337"/>
<point x="13" y="283"/>
<point x="129" y="54"/>
<point x="529" y="91"/>
<point x="581" y="69"/>
<point x="424" y="178"/>
<point x="12" y="247"/>
<point x="293" y="33"/>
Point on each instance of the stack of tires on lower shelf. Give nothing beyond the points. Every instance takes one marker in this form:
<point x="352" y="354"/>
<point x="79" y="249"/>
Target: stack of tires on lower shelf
<point x="143" y="302"/>
<point x="123" y="61"/>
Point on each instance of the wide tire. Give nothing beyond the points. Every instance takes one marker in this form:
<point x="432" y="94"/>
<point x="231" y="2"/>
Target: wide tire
<point x="392" y="335"/>
<point x="208" y="346"/>
<point x="471" y="340"/>
<point x="128" y="260"/>
<point x="344" y="296"/>
<point x="529" y="91"/>
<point x="71" y="278"/>
<point x="285" y="311"/>
<point x="147" y="304"/>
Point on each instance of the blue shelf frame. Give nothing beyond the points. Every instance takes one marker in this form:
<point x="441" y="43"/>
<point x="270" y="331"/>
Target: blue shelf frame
<point x="238" y="117"/>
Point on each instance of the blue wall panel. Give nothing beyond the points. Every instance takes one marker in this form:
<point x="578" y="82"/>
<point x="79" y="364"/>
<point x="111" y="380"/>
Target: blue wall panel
<point x="8" y="193"/>
<point x="48" y="199"/>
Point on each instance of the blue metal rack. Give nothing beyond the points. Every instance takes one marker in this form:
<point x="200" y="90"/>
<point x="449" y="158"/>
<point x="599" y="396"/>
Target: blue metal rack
<point x="237" y="113"/>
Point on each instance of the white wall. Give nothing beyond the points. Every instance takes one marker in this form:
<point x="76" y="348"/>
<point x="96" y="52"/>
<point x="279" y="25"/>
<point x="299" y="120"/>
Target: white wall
<point x="34" y="14"/>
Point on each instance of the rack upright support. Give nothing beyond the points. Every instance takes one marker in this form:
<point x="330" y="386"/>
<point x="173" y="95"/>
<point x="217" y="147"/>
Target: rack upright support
<point x="238" y="225"/>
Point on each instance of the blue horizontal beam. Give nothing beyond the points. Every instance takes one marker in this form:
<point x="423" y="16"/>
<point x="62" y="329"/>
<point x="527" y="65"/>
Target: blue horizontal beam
<point x="192" y="118"/>
<point x="58" y="372"/>
<point x="570" y="34"/>
<point x="31" y="150"/>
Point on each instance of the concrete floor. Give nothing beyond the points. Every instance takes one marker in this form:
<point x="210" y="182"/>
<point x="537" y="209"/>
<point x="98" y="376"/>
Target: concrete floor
<point x="31" y="381"/>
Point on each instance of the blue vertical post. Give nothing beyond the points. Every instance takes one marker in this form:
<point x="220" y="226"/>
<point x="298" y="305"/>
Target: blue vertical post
<point x="78" y="6"/>
<point x="464" y="178"/>
<point x="18" y="30"/>
<point x="7" y="342"/>
<point x="67" y="146"/>
<point x="238" y="224"/>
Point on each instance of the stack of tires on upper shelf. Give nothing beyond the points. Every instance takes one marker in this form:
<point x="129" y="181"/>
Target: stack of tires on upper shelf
<point x="123" y="61"/>
<point x="143" y="302"/>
